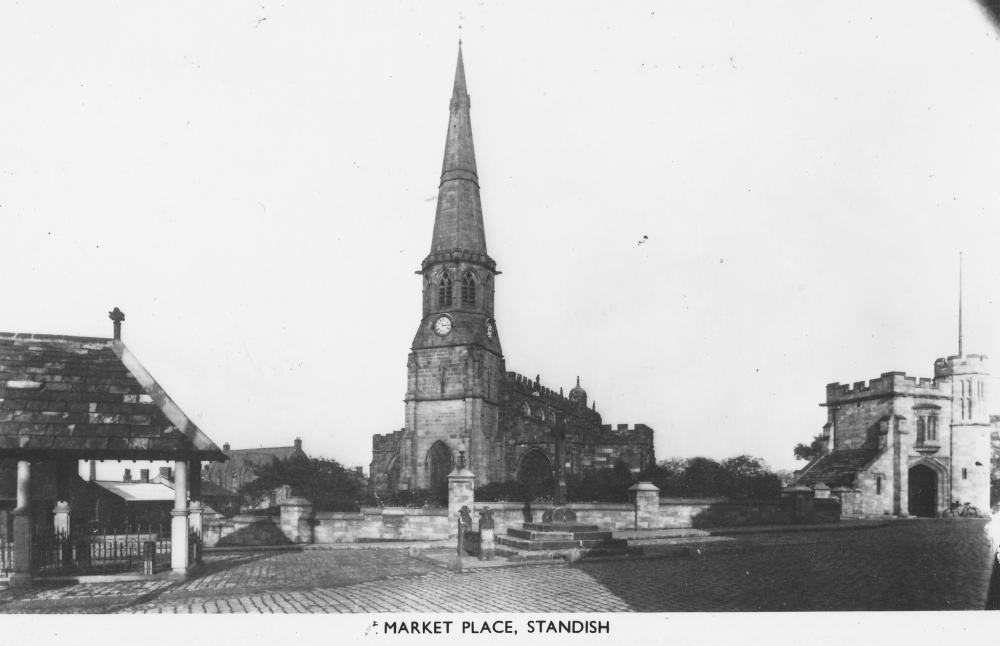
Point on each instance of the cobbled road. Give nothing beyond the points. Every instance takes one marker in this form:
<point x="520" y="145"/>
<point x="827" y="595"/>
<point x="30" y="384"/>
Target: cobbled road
<point x="903" y="565"/>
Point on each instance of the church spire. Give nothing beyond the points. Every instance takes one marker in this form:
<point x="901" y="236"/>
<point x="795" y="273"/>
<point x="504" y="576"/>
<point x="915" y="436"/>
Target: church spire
<point x="458" y="223"/>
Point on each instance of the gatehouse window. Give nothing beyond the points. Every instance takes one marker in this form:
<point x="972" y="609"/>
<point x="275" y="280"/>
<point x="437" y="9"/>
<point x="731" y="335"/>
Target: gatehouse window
<point x="468" y="289"/>
<point x="932" y="428"/>
<point x="444" y="290"/>
<point x="878" y="485"/>
<point x="921" y="430"/>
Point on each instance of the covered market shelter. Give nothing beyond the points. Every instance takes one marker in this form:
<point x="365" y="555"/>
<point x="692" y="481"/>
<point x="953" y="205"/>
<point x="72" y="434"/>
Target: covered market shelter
<point x="65" y="399"/>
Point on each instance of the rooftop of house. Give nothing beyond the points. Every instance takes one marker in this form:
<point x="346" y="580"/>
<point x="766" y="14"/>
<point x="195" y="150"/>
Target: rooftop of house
<point x="88" y="398"/>
<point x="263" y="455"/>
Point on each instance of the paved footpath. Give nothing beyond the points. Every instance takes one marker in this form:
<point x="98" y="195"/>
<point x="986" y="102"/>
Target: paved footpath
<point x="902" y="565"/>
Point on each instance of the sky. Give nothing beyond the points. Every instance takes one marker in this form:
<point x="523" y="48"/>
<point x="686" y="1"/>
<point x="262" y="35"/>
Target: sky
<point x="707" y="211"/>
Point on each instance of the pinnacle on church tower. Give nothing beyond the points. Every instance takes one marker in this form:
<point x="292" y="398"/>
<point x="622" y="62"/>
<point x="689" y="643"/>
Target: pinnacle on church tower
<point x="458" y="223"/>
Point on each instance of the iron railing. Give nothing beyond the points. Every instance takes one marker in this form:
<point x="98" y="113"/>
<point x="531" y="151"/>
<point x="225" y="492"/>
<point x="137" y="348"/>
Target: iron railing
<point x="54" y="554"/>
<point x="6" y="557"/>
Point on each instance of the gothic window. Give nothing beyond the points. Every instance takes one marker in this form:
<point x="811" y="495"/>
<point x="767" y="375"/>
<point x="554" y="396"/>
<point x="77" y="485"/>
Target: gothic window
<point x="468" y="289"/>
<point x="444" y="290"/>
<point x="921" y="430"/>
<point x="878" y="485"/>
<point x="540" y="413"/>
<point x="525" y="409"/>
<point x="932" y="428"/>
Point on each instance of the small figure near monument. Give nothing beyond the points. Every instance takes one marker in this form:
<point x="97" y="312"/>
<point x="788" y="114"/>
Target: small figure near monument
<point x="487" y="542"/>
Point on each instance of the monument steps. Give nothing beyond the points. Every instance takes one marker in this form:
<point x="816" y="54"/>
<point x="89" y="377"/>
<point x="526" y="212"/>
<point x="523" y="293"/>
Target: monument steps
<point x="561" y="544"/>
<point x="558" y="535"/>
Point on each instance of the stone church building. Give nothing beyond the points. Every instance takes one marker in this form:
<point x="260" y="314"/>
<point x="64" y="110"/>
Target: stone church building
<point x="460" y="396"/>
<point x="900" y="445"/>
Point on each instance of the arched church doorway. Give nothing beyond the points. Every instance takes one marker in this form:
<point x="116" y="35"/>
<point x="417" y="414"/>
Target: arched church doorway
<point x="438" y="467"/>
<point x="923" y="491"/>
<point x="534" y="473"/>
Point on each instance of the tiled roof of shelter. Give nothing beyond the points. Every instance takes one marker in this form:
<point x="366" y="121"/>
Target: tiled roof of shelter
<point x="88" y="398"/>
<point x="838" y="469"/>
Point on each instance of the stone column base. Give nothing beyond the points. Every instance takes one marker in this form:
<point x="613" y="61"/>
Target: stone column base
<point x="179" y="542"/>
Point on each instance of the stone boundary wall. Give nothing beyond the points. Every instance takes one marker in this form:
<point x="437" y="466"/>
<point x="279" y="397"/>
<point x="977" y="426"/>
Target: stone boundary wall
<point x="299" y="524"/>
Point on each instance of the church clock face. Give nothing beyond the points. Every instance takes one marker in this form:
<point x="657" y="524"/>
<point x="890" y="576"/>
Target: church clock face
<point x="442" y="326"/>
<point x="490" y="330"/>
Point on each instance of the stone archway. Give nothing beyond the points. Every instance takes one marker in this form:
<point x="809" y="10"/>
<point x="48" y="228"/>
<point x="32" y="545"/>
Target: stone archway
<point x="922" y="491"/>
<point x="439" y="465"/>
<point x="534" y="473"/>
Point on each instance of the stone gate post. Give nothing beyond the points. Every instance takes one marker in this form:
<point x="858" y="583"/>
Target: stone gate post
<point x="647" y="505"/>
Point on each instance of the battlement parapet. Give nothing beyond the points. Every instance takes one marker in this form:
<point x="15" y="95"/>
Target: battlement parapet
<point x="528" y="385"/>
<point x="963" y="364"/>
<point x="888" y="383"/>
<point x="387" y="441"/>
<point x="624" y="431"/>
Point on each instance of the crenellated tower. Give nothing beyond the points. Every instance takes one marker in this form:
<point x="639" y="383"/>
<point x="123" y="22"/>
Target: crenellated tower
<point x="456" y="362"/>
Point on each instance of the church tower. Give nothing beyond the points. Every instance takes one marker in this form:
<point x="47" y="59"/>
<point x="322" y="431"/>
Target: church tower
<point x="456" y="363"/>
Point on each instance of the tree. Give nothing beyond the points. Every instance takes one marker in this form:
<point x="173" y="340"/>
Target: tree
<point x="811" y="451"/>
<point x="325" y="483"/>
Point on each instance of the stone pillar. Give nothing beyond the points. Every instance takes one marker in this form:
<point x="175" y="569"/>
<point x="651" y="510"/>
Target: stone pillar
<point x="647" y="505"/>
<point x="297" y="519"/>
<point x="21" y="574"/>
<point x="461" y="493"/>
<point x="179" y="522"/>
<point x="195" y="507"/>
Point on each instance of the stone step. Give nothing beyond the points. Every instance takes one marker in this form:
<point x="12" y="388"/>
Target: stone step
<point x="560" y="527"/>
<point x="527" y="533"/>
<point x="554" y="536"/>
<point x="532" y="545"/>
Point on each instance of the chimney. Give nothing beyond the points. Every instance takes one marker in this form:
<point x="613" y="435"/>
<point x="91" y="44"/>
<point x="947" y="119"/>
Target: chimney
<point x="143" y="475"/>
<point x="167" y="472"/>
<point x="298" y="444"/>
<point x="117" y="316"/>
<point x="93" y="470"/>
<point x="225" y="447"/>
<point x="127" y="477"/>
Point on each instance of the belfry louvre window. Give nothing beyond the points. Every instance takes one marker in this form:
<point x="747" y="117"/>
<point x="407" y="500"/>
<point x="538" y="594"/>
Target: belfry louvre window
<point x="444" y="291"/>
<point x="468" y="289"/>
